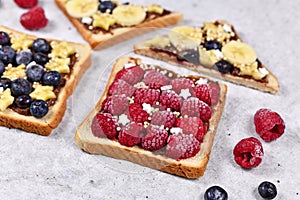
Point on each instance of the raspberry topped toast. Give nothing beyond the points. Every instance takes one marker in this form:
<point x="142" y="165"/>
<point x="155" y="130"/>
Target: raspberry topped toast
<point x="154" y="117"/>
<point x="37" y="75"/>
<point x="213" y="49"/>
<point x="104" y="23"/>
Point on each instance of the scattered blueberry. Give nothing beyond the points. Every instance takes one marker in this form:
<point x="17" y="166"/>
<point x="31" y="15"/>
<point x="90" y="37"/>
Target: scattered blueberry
<point x="38" y="108"/>
<point x="7" y="54"/>
<point x="35" y="72"/>
<point x="23" y="101"/>
<point x="4" y="38"/>
<point x="267" y="190"/>
<point x="224" y="66"/>
<point x="51" y="78"/>
<point x="24" y="57"/>
<point x="5" y="83"/>
<point x="191" y="56"/>
<point x="41" y="45"/>
<point x="106" y="5"/>
<point x="2" y="68"/>
<point x="215" y="193"/>
<point x="40" y="58"/>
<point x="20" y="86"/>
<point x="212" y="44"/>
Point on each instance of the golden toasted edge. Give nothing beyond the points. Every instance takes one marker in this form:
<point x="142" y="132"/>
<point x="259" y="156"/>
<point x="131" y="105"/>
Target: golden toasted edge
<point x="189" y="169"/>
<point x="44" y="126"/>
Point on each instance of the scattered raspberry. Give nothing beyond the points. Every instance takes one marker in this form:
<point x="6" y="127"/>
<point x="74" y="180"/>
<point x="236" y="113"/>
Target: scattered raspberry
<point x="181" y="146"/>
<point x="181" y="83"/>
<point x="214" y="89"/>
<point x="155" y="79"/>
<point x="248" y="152"/>
<point x="131" y="75"/>
<point x="26" y="3"/>
<point x="121" y="87"/>
<point x="155" y="138"/>
<point x="115" y="104"/>
<point x="144" y="95"/>
<point x="169" y="99"/>
<point x="165" y="118"/>
<point x="34" y="19"/>
<point x="131" y="134"/>
<point x="104" y="125"/>
<point x="192" y="125"/>
<point x="137" y="114"/>
<point x="193" y="107"/>
<point x="203" y="93"/>
<point x="268" y="124"/>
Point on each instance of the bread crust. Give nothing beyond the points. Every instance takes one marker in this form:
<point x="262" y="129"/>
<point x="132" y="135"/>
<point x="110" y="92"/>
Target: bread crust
<point x="100" y="40"/>
<point x="189" y="168"/>
<point x="45" y="125"/>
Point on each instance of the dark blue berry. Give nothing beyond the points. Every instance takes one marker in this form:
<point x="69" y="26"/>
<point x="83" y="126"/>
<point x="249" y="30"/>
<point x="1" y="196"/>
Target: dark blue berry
<point x="106" y="5"/>
<point x="41" y="45"/>
<point x="5" y="83"/>
<point x="2" y="68"/>
<point x="267" y="190"/>
<point x="51" y="78"/>
<point x="40" y="58"/>
<point x="35" y="73"/>
<point x="23" y="57"/>
<point x="191" y="56"/>
<point x="38" y="108"/>
<point x="20" y="86"/>
<point x="23" y="101"/>
<point x="215" y="193"/>
<point x="224" y="66"/>
<point x="7" y="54"/>
<point x="4" y="38"/>
<point x="212" y="44"/>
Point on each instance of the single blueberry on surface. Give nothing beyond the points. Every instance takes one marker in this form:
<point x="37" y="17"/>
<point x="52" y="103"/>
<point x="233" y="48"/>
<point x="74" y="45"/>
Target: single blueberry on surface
<point x="212" y="44"/>
<point x="41" y="45"/>
<point x="2" y="68"/>
<point x="20" y="86"/>
<point x="40" y="58"/>
<point x="5" y="83"/>
<point x="215" y="193"/>
<point x="51" y="78"/>
<point x="23" y="57"/>
<point x="38" y="108"/>
<point x="35" y="73"/>
<point x="23" y="101"/>
<point x="106" y="5"/>
<point x="4" y="38"/>
<point x="267" y="190"/>
<point x="224" y="67"/>
<point x="7" y="54"/>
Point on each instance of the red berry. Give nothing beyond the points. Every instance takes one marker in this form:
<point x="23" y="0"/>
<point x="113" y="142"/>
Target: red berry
<point x="181" y="146"/>
<point x="121" y="87"/>
<point x="268" y="124"/>
<point x="214" y="89"/>
<point x="202" y="92"/>
<point x="155" y="79"/>
<point x="169" y="99"/>
<point x="137" y="114"/>
<point x="144" y="95"/>
<point x="181" y="83"/>
<point x="192" y="125"/>
<point x="34" y="19"/>
<point x="155" y="138"/>
<point x="115" y="104"/>
<point x="131" y="134"/>
<point x="165" y="118"/>
<point x="104" y="125"/>
<point x="248" y="152"/>
<point x="131" y="75"/>
<point x="193" y="107"/>
<point x="26" y="3"/>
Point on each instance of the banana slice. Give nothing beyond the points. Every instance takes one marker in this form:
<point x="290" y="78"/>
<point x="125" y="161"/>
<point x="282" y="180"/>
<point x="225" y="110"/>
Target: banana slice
<point x="208" y="58"/>
<point x="82" y="8"/>
<point x="239" y="53"/>
<point x="103" y="21"/>
<point x="129" y="15"/>
<point x="185" y="37"/>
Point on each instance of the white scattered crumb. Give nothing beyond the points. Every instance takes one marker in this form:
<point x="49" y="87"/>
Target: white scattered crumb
<point x="175" y="130"/>
<point x="1" y="90"/>
<point x="127" y="65"/>
<point x="263" y="71"/>
<point x="86" y="20"/>
<point x="201" y="81"/>
<point x="227" y="28"/>
<point x="123" y="119"/>
<point x="30" y="64"/>
<point x="185" y="93"/>
<point x="218" y="53"/>
<point x="166" y="87"/>
<point x="147" y="107"/>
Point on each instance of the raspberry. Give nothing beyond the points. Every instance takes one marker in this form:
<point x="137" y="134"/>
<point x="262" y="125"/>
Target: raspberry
<point x="155" y="138"/>
<point x="165" y="118"/>
<point x="181" y="146"/>
<point x="193" y="107"/>
<point x="203" y="93"/>
<point x="181" y="83"/>
<point x="169" y="99"/>
<point x="34" y="19"/>
<point x="214" y="89"/>
<point x="268" y="124"/>
<point x="121" y="87"/>
<point x="104" y="125"/>
<point x="131" y="134"/>
<point x="137" y="114"/>
<point x="155" y="79"/>
<point x="192" y="125"/>
<point x="26" y="3"/>
<point x="144" y="95"/>
<point x="131" y="75"/>
<point x="248" y="152"/>
<point x="115" y="104"/>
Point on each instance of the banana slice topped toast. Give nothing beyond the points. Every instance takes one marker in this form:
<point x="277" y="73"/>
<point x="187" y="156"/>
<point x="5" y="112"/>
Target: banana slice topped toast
<point x="213" y="49"/>
<point x="154" y="117"/>
<point x="104" y="23"/>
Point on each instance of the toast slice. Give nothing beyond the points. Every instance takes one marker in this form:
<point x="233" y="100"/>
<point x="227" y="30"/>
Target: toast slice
<point x="13" y="116"/>
<point x="214" y="49"/>
<point x="92" y="141"/>
<point x="102" y="30"/>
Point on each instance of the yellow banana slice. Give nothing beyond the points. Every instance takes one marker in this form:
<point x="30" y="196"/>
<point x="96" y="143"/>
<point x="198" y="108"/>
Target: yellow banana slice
<point x="208" y="58"/>
<point x="103" y="21"/>
<point x="82" y="8"/>
<point x="239" y="53"/>
<point x="185" y="37"/>
<point x="129" y="15"/>
<point x="155" y="9"/>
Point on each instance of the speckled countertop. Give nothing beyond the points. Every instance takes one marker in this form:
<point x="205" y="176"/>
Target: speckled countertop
<point x="36" y="167"/>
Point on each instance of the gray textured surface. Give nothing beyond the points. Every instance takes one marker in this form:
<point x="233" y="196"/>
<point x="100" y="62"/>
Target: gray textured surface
<point x="36" y="167"/>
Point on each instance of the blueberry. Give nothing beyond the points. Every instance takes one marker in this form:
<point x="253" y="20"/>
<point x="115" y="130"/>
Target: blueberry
<point x="23" y="57"/>
<point x="7" y="54"/>
<point x="5" y="83"/>
<point x="41" y="45"/>
<point x="40" y="58"/>
<point x="4" y="38"/>
<point x="267" y="190"/>
<point x="35" y="73"/>
<point x="2" y="68"/>
<point x="191" y="56"/>
<point x="38" y="108"/>
<point x="215" y="193"/>
<point x="51" y="78"/>
<point x="20" y="86"/>
<point x="106" y="5"/>
<point x="224" y="66"/>
<point x="212" y="44"/>
<point x="23" y="101"/>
